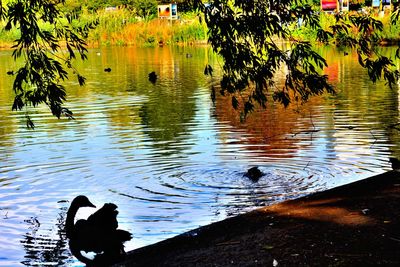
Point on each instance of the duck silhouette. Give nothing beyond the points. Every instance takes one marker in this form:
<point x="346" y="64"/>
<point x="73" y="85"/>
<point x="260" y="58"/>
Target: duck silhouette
<point x="98" y="233"/>
<point x="107" y="69"/>
<point x="153" y="77"/>
<point x="254" y="174"/>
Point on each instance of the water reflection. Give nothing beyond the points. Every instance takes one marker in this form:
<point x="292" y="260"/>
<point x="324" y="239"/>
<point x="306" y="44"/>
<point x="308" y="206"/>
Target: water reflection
<point x="272" y="132"/>
<point x="46" y="247"/>
<point x="363" y="105"/>
<point x="171" y="159"/>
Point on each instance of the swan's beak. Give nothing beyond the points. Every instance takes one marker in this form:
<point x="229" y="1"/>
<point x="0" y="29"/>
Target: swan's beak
<point x="90" y="204"/>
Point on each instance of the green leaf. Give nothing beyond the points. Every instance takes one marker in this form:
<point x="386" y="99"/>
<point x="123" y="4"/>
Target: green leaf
<point x="235" y="102"/>
<point x="38" y="80"/>
<point x="81" y="80"/>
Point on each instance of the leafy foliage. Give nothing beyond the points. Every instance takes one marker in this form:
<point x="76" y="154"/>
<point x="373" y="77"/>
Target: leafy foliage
<point x="248" y="35"/>
<point x="145" y="8"/>
<point x="369" y="57"/>
<point x="93" y="6"/>
<point x="39" y="79"/>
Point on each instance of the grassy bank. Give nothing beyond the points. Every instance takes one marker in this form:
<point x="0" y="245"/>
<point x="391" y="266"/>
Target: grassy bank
<point x="117" y="28"/>
<point x="122" y="28"/>
<point x="389" y="35"/>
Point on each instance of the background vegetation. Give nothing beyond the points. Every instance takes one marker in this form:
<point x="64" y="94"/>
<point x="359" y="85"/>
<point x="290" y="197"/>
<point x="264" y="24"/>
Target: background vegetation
<point x="128" y="22"/>
<point x="390" y="33"/>
<point x="122" y="27"/>
<point x="134" y="22"/>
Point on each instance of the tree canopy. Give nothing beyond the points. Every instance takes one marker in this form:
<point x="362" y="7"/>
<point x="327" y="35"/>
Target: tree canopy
<point x="45" y="67"/>
<point x="248" y="35"/>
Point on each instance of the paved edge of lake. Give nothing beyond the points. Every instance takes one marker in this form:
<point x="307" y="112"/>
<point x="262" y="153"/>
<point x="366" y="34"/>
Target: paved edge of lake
<point x="357" y="224"/>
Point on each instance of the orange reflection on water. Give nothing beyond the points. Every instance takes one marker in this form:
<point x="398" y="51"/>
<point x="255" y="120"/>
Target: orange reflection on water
<point x="272" y="132"/>
<point x="325" y="210"/>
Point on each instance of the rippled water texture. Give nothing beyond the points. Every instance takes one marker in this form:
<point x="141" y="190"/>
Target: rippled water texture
<point x="170" y="158"/>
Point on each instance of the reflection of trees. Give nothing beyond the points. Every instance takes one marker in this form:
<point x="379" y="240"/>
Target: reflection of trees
<point x="267" y="130"/>
<point x="7" y="127"/>
<point x="168" y="119"/>
<point x="165" y="108"/>
<point x="172" y="95"/>
<point x="359" y="99"/>
<point x="124" y="116"/>
<point x="44" y="250"/>
<point x="170" y="104"/>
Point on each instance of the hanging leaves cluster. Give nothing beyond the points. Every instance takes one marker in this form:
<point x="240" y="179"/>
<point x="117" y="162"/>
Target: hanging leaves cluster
<point x="248" y="34"/>
<point x="45" y="66"/>
<point x="366" y="43"/>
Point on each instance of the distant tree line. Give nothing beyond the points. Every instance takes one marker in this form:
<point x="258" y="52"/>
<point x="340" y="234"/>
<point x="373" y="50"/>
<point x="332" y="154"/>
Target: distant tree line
<point x="142" y="7"/>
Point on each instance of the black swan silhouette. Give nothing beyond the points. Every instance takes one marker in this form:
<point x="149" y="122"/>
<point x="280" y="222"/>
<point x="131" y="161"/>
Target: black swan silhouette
<point x="98" y="234"/>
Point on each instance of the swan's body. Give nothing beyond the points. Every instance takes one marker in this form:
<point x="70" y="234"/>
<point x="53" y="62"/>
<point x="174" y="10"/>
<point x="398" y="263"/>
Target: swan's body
<point x="98" y="233"/>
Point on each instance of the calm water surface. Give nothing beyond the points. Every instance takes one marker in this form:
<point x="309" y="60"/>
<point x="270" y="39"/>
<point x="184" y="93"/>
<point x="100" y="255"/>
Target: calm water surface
<point x="171" y="158"/>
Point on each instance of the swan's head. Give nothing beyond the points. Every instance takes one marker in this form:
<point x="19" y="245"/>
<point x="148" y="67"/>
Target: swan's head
<point x="82" y="201"/>
<point x="77" y="203"/>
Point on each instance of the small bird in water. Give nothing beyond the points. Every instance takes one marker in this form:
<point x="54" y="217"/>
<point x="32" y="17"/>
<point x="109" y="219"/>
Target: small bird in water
<point x="395" y="164"/>
<point x="107" y="69"/>
<point x="10" y="72"/>
<point x="254" y="174"/>
<point x="153" y="77"/>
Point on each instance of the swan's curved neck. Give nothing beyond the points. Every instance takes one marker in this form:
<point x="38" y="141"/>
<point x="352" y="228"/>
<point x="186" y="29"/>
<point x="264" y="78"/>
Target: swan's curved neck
<point x="69" y="222"/>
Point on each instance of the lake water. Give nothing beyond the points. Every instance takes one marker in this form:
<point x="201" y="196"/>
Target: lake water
<point x="170" y="158"/>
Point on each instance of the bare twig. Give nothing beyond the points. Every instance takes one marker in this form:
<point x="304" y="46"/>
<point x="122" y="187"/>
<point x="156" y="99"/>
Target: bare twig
<point x="306" y="132"/>
<point x="394" y="239"/>
<point x="305" y="167"/>
<point x="228" y="243"/>
<point x="376" y="139"/>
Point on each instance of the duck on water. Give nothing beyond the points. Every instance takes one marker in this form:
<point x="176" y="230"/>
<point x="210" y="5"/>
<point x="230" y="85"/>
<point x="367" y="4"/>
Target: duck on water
<point x="254" y="174"/>
<point x="98" y="233"/>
